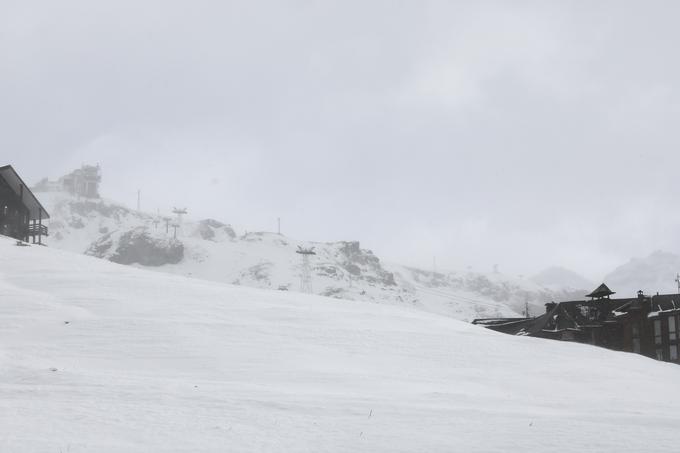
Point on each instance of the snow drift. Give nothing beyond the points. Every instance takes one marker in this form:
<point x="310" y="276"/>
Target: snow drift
<point x="99" y="357"/>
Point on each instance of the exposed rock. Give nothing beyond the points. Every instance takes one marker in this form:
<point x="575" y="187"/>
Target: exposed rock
<point x="259" y="272"/>
<point x="356" y="258"/>
<point x="137" y="247"/>
<point x="211" y="229"/>
<point x="76" y="222"/>
<point x="328" y="271"/>
<point x="213" y="223"/>
<point x="352" y="269"/>
<point x="335" y="292"/>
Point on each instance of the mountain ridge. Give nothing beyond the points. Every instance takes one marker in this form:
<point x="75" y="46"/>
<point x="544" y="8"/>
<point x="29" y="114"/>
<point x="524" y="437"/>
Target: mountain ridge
<point x="214" y="250"/>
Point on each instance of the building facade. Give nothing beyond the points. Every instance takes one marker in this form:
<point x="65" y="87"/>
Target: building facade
<point x="21" y="214"/>
<point x="647" y="325"/>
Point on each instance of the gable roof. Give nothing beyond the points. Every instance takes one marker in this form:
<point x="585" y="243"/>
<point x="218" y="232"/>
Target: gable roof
<point x="14" y="181"/>
<point x="560" y="317"/>
<point x="601" y="291"/>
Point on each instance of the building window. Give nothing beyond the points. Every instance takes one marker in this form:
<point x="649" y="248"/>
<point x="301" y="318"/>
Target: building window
<point x="636" y="338"/>
<point x="659" y="354"/>
<point x="672" y="331"/>
<point x="674" y="353"/>
<point x="657" y="331"/>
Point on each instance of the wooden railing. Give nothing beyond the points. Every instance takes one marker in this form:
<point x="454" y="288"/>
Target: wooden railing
<point x="37" y="230"/>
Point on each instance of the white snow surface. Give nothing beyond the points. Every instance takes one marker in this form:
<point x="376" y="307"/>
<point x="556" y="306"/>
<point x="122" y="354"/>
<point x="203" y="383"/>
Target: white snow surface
<point x="100" y="357"/>
<point x="217" y="251"/>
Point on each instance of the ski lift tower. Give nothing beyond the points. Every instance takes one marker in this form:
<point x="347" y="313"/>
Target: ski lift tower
<point x="306" y="270"/>
<point x="179" y="212"/>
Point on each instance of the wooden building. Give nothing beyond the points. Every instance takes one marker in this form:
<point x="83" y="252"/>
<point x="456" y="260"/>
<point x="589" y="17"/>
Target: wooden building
<point x="21" y="214"/>
<point x="647" y="325"/>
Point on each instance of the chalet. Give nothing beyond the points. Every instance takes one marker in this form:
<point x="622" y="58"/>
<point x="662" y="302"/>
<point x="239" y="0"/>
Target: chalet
<point x="647" y="325"/>
<point x="21" y="214"/>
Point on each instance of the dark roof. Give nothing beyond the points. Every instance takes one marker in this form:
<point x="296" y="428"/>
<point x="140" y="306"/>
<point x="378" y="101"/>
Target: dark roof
<point x="528" y="326"/>
<point x="559" y="317"/>
<point x="665" y="303"/>
<point x="601" y="291"/>
<point x="582" y="315"/>
<point x="35" y="209"/>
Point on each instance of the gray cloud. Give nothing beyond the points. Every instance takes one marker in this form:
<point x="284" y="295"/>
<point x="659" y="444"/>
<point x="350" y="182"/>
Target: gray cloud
<point x="523" y="133"/>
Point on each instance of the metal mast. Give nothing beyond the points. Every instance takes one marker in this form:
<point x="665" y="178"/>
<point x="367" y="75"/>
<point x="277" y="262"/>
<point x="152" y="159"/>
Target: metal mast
<point x="306" y="270"/>
<point x="179" y="212"/>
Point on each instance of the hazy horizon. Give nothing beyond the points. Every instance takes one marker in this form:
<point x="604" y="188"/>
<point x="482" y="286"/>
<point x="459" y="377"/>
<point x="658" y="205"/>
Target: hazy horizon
<point x="522" y="135"/>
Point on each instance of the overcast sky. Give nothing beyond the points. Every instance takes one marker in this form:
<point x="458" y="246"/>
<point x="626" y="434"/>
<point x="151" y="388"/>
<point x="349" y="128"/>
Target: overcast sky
<point x="523" y="134"/>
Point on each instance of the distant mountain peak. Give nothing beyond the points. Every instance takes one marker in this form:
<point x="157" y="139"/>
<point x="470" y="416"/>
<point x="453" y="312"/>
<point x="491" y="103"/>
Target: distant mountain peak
<point x="653" y="273"/>
<point x="561" y="277"/>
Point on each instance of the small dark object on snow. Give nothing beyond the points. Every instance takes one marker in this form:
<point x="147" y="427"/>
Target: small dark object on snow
<point x="53" y="369"/>
<point x="67" y="322"/>
<point x="22" y="244"/>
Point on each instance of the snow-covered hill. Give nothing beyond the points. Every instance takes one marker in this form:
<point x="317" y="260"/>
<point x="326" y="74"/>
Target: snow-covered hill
<point x="214" y="250"/>
<point x="99" y="357"/>
<point x="655" y="273"/>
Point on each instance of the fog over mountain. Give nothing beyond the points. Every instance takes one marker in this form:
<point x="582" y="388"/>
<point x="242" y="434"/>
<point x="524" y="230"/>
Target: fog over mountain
<point x="211" y="249"/>
<point x="523" y="134"/>
<point x="650" y="274"/>
<point x="559" y="277"/>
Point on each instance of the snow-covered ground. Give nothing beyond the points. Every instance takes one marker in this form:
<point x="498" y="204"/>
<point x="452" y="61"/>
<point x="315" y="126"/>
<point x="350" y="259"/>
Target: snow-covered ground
<point x="99" y="357"/>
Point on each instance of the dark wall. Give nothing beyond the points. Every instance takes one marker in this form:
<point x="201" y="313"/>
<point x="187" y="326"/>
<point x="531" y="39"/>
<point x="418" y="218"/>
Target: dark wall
<point x="13" y="213"/>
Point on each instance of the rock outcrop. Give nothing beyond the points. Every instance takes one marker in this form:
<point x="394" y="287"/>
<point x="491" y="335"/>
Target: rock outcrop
<point x="137" y="246"/>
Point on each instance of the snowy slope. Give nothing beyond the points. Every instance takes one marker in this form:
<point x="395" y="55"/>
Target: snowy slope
<point x="216" y="251"/>
<point x="99" y="357"/>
